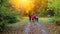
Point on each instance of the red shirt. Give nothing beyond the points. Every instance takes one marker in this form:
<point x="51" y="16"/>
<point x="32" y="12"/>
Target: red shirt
<point x="32" y="16"/>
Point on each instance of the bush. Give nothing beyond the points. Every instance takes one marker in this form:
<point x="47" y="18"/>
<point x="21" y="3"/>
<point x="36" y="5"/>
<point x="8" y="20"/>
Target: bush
<point x="57" y="21"/>
<point x="6" y="19"/>
<point x="11" y="19"/>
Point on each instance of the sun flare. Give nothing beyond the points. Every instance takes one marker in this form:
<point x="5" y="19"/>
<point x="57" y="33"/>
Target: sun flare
<point x="24" y="5"/>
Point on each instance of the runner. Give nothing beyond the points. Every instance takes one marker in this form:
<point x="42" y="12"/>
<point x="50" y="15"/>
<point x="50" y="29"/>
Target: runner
<point x="29" y="17"/>
<point x="36" y="18"/>
<point x="32" y="17"/>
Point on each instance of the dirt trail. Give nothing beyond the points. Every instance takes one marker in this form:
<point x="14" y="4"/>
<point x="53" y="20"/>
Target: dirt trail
<point x="27" y="28"/>
<point x="35" y="28"/>
<point x="41" y="28"/>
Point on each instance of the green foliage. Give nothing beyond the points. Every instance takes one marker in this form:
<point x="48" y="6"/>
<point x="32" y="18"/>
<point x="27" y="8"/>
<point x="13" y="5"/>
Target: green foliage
<point x="57" y="20"/>
<point x="42" y="11"/>
<point x="55" y="4"/>
<point x="51" y="4"/>
<point x="7" y="14"/>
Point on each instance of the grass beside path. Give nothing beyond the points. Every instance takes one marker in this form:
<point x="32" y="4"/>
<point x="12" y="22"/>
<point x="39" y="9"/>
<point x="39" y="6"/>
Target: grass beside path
<point x="18" y="24"/>
<point x="46" y="20"/>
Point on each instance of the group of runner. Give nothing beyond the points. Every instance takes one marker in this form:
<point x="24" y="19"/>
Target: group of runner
<point x="33" y="18"/>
